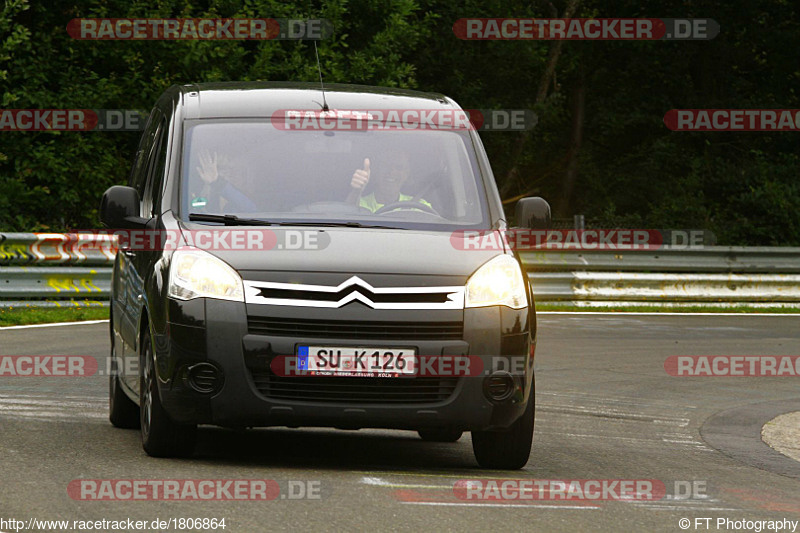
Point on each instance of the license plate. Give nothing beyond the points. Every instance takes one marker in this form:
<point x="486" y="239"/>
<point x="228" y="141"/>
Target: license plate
<point x="350" y="361"/>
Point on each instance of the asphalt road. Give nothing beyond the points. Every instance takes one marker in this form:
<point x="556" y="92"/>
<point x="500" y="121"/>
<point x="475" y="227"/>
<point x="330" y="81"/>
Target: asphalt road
<point x="606" y="410"/>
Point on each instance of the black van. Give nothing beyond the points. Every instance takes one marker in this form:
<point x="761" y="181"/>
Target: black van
<point x="308" y="269"/>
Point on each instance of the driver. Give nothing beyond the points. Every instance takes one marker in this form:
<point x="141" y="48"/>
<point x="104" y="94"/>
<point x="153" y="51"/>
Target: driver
<point x="393" y="173"/>
<point x="217" y="192"/>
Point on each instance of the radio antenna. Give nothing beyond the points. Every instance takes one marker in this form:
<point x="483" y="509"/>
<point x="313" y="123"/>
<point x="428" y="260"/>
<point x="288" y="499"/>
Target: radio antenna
<point x="319" y="68"/>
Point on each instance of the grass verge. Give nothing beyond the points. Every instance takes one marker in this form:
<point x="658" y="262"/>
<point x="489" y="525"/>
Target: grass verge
<point x="17" y="316"/>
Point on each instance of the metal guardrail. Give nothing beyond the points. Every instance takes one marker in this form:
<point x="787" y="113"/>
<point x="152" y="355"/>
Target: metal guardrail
<point x="712" y="259"/>
<point x="715" y="276"/>
<point x="55" y="269"/>
<point x="54" y="282"/>
<point x="626" y="288"/>
<point x="57" y="249"/>
<point x="75" y="269"/>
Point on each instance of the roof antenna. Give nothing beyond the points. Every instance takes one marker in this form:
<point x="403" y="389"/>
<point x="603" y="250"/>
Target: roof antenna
<point x="319" y="68"/>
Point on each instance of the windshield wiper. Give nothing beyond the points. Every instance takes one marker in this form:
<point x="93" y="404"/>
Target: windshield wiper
<point x="233" y="220"/>
<point x="229" y="220"/>
<point x="337" y="225"/>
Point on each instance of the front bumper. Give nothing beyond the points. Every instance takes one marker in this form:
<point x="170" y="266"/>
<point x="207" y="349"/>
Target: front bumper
<point x="246" y="393"/>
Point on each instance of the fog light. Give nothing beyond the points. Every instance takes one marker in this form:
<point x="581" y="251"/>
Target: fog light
<point x="499" y="387"/>
<point x="204" y="378"/>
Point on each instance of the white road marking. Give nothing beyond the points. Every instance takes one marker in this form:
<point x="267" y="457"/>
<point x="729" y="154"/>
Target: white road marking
<point x="372" y="481"/>
<point x="484" y="474"/>
<point x="56" y="324"/>
<point x="599" y="398"/>
<point x="675" y="441"/>
<point x="519" y="505"/>
<point x="378" y="482"/>
<point x="604" y="412"/>
<point x="44" y="408"/>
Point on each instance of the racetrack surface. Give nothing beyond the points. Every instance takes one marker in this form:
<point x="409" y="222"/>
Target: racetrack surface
<point x="606" y="410"/>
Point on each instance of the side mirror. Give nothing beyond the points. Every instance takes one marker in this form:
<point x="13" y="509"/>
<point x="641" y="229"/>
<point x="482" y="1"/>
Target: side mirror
<point x="533" y="213"/>
<point x="119" y="208"/>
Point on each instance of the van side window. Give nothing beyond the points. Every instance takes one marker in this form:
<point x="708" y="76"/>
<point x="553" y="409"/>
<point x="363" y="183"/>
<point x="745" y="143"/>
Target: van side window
<point x="139" y="172"/>
<point x="156" y="166"/>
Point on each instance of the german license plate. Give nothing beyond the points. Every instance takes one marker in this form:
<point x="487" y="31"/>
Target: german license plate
<point x="350" y="361"/>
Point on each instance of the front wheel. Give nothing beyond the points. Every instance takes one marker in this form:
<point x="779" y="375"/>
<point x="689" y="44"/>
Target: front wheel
<point x="122" y="411"/>
<point x="161" y="437"/>
<point x="508" y="449"/>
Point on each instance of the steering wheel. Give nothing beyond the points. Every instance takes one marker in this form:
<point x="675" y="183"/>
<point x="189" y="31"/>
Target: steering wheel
<point x="407" y="204"/>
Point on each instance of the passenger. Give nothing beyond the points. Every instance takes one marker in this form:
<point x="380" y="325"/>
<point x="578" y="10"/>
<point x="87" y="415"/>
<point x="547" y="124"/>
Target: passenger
<point x="392" y="173"/>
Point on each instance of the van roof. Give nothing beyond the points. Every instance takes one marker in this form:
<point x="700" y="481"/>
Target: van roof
<point x="263" y="99"/>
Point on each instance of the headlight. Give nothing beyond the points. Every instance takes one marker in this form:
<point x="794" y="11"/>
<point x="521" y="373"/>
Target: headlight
<point x="198" y="274"/>
<point x="498" y="282"/>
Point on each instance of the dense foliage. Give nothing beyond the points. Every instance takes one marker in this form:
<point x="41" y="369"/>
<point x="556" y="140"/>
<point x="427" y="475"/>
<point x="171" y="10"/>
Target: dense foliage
<point x="600" y="148"/>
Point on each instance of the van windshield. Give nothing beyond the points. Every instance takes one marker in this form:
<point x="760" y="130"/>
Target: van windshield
<point x="389" y="178"/>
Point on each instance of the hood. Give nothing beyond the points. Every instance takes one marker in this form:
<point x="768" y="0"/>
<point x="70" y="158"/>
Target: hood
<point x="351" y="250"/>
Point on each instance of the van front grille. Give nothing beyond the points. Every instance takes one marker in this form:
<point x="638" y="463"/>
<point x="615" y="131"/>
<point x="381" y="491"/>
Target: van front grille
<point x="354" y="329"/>
<point x="356" y="390"/>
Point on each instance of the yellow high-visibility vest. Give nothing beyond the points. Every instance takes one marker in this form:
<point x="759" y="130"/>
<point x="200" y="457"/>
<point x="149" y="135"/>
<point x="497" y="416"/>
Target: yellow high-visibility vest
<point x="369" y="201"/>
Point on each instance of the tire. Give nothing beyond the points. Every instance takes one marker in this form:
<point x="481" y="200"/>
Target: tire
<point x="161" y="437"/>
<point x="508" y="449"/>
<point x="122" y="411"/>
<point x="440" y="434"/>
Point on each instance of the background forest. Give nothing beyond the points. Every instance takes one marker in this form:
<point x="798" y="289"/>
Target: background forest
<point x="600" y="147"/>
